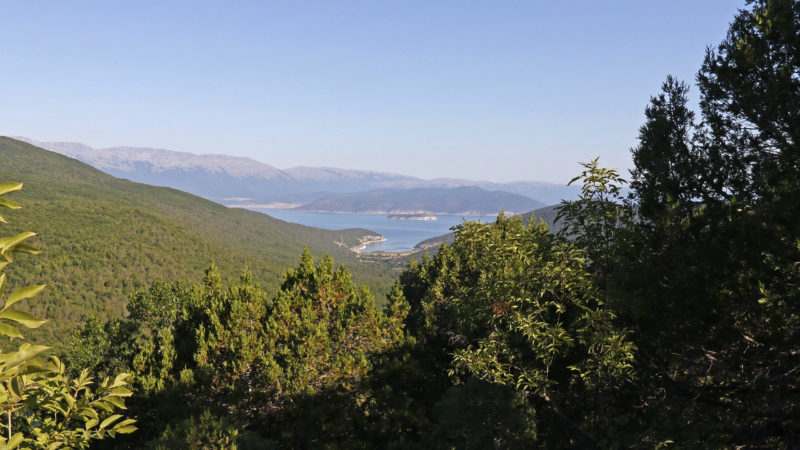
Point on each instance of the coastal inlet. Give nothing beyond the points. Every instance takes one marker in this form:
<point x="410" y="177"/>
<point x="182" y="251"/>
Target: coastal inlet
<point x="364" y="241"/>
<point x="386" y="235"/>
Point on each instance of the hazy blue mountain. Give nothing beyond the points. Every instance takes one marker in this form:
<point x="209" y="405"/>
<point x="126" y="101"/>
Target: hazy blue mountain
<point x="468" y="201"/>
<point x="237" y="180"/>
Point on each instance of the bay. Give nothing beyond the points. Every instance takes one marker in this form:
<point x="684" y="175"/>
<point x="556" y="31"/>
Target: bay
<point x="400" y="235"/>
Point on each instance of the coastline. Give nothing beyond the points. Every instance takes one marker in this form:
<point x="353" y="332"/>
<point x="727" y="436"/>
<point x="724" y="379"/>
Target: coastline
<point x="273" y="205"/>
<point x="424" y="217"/>
<point x="388" y="213"/>
<point x="365" y="241"/>
<point x="391" y="235"/>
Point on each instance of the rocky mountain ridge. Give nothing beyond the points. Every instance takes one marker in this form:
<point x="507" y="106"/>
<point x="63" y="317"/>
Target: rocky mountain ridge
<point x="219" y="177"/>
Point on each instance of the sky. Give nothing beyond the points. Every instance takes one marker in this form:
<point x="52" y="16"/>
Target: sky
<point x="490" y="90"/>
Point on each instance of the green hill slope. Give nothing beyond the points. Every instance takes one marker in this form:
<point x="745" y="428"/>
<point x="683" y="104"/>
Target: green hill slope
<point x="459" y="200"/>
<point x="105" y="237"/>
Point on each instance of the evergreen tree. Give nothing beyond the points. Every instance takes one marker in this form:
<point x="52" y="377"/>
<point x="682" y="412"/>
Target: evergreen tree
<point x="236" y="358"/>
<point x="665" y="178"/>
<point x="707" y="275"/>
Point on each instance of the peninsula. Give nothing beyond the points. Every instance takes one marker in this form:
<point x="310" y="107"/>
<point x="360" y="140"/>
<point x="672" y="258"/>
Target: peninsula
<point x="425" y="217"/>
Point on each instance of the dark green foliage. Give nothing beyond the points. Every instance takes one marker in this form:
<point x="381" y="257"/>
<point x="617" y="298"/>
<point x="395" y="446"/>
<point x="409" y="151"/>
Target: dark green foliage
<point x="480" y="415"/>
<point x="242" y="353"/>
<point x="207" y="431"/>
<point x="666" y="160"/>
<point x="458" y="200"/>
<point x="511" y="305"/>
<point x="103" y="347"/>
<point x="593" y="222"/>
<point x="706" y="275"/>
<point x="751" y="104"/>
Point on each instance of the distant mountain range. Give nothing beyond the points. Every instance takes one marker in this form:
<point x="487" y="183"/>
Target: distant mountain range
<point x="237" y="180"/>
<point x="466" y="201"/>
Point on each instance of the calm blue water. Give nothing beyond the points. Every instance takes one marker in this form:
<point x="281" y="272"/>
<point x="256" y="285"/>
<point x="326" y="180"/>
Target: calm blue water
<point x="401" y="235"/>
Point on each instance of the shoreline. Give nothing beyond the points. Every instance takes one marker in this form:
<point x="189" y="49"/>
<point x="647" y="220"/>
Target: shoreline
<point x="365" y="241"/>
<point x="377" y="213"/>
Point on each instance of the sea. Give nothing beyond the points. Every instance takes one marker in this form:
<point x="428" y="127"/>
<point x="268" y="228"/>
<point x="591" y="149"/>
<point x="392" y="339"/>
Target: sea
<point x="400" y="235"/>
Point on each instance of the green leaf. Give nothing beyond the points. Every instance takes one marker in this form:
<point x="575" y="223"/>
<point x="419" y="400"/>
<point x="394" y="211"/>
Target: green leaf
<point x="9" y="204"/>
<point x="11" y="241"/>
<point x="25" y="352"/>
<point x="126" y="429"/>
<point x="119" y="380"/>
<point x="15" y="440"/>
<point x="121" y="392"/>
<point x="109" y="420"/>
<point x="16" y="387"/>
<point x="10" y="331"/>
<point x="33" y="367"/>
<point x="22" y="318"/>
<point x="25" y="248"/>
<point x="124" y="423"/>
<point x="8" y="245"/>
<point x="116" y="401"/>
<point x="103" y="405"/>
<point x="23" y="293"/>
<point x="10" y="186"/>
<point x="69" y="399"/>
<point x="91" y="413"/>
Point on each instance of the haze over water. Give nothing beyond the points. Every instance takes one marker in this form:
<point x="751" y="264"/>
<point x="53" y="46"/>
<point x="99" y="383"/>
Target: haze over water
<point x="401" y="235"/>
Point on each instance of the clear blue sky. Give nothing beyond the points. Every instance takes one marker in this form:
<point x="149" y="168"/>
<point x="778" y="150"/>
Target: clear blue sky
<point x="496" y="90"/>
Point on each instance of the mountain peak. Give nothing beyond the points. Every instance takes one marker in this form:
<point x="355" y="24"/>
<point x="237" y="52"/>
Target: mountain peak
<point x="127" y="159"/>
<point x="219" y="176"/>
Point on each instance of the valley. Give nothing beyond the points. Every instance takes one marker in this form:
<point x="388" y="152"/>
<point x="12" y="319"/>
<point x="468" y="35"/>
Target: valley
<point x="104" y="238"/>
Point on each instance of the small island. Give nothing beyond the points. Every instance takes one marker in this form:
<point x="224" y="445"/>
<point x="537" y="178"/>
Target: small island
<point x="411" y="217"/>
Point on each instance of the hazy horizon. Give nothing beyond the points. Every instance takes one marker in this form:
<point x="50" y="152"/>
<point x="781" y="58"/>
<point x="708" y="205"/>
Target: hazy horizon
<point x="498" y="92"/>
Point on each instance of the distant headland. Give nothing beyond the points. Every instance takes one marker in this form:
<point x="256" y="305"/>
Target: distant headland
<point x="411" y="217"/>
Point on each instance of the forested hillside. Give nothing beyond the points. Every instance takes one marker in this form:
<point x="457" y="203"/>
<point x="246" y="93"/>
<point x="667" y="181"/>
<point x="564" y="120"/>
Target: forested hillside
<point x="104" y="237"/>
<point x="467" y="201"/>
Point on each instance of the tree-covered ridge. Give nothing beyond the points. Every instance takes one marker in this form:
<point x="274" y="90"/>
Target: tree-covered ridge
<point x="43" y="407"/>
<point x="457" y="201"/>
<point x="105" y="237"/>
